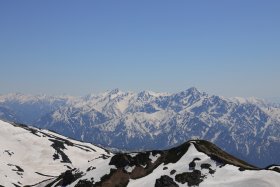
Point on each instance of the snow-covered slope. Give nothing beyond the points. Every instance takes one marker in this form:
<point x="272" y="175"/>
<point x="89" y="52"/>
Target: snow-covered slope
<point x="247" y="128"/>
<point x="40" y="158"/>
<point x="29" y="155"/>
<point x="195" y="163"/>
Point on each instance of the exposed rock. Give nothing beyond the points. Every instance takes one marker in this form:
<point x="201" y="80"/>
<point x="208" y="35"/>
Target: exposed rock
<point x="172" y="171"/>
<point x="192" y="178"/>
<point x="165" y="181"/>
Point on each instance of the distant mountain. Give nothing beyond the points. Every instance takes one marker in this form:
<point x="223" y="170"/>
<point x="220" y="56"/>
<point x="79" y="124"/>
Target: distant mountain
<point x="7" y="114"/>
<point x="35" y="157"/>
<point x="29" y="108"/>
<point x="246" y="128"/>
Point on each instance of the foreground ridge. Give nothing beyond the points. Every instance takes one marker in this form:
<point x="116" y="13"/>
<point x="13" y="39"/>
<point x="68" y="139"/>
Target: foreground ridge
<point x="55" y="160"/>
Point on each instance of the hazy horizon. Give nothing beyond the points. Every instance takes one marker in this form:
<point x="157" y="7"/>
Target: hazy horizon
<point x="268" y="99"/>
<point x="228" y="48"/>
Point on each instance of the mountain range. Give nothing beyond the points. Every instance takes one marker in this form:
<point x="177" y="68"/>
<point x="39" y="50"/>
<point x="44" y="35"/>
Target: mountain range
<point x="246" y="128"/>
<point x="41" y="158"/>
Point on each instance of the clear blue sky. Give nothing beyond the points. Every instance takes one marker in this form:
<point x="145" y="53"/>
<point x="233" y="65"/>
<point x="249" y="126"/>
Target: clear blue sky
<point x="229" y="48"/>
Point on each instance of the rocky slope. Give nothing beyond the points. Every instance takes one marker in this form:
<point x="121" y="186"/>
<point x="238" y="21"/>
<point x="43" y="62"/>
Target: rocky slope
<point x="36" y="157"/>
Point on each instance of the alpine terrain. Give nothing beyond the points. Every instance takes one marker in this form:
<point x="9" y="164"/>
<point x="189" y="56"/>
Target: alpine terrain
<point x="41" y="158"/>
<point x="246" y="128"/>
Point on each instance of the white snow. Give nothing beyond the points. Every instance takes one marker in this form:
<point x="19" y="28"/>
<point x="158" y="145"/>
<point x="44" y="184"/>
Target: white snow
<point x="180" y="166"/>
<point x="33" y="153"/>
<point x="129" y="168"/>
<point x="154" y="158"/>
<point x="227" y="176"/>
<point x="102" y="168"/>
<point x="230" y="176"/>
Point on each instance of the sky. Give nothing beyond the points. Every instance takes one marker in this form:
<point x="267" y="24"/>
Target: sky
<point x="229" y="48"/>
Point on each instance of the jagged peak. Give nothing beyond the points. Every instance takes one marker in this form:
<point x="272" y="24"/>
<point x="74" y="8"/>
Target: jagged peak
<point x="191" y="91"/>
<point x="115" y="91"/>
<point x="110" y="93"/>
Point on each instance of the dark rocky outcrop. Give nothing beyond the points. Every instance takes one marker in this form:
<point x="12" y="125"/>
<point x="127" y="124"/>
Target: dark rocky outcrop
<point x="165" y="181"/>
<point x="192" y="178"/>
<point x="143" y="166"/>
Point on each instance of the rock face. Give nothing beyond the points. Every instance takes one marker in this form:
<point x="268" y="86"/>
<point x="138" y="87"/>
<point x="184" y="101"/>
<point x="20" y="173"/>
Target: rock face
<point x="246" y="128"/>
<point x="165" y="181"/>
<point x="38" y="158"/>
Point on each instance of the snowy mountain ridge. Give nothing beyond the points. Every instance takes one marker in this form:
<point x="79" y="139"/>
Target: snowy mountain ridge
<point x="41" y="158"/>
<point x="29" y="155"/>
<point x="246" y="128"/>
